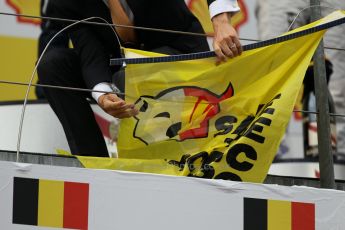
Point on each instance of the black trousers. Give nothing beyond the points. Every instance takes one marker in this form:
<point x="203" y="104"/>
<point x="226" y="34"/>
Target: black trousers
<point x="84" y="66"/>
<point x="47" y="32"/>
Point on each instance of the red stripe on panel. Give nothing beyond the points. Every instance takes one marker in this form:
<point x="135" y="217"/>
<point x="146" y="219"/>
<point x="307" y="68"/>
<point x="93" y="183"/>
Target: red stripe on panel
<point x="303" y="216"/>
<point x="76" y="205"/>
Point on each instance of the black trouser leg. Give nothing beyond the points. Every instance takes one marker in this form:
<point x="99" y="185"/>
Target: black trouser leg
<point x="62" y="67"/>
<point x="94" y="44"/>
<point x="82" y="9"/>
<point x="83" y="67"/>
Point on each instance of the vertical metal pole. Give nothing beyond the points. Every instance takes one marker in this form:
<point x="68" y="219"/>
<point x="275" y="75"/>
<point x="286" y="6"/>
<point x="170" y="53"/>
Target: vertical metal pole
<point x="323" y="117"/>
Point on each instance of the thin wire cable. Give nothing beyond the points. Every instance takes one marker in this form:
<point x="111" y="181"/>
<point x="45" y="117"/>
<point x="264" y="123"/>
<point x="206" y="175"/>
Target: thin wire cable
<point x="119" y="25"/>
<point x="35" y="69"/>
<point x="60" y="87"/>
<point x="142" y="28"/>
<point x="105" y="24"/>
<point x="120" y="93"/>
<point x="99" y="91"/>
<point x="115" y="25"/>
<point x="314" y="112"/>
<point x="307" y="8"/>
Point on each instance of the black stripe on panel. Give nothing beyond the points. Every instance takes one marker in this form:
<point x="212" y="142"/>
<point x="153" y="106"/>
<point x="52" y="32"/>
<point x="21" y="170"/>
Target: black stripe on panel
<point x="254" y="214"/>
<point x="25" y="201"/>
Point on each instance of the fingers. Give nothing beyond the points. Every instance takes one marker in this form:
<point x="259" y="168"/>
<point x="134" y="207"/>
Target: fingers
<point x="228" y="48"/>
<point x="226" y="42"/>
<point x="117" y="107"/>
<point x="234" y="49"/>
<point x="238" y="45"/>
<point x="220" y="56"/>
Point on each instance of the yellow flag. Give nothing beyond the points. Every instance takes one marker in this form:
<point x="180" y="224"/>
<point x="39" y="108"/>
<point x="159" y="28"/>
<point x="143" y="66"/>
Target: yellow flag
<point x="201" y="120"/>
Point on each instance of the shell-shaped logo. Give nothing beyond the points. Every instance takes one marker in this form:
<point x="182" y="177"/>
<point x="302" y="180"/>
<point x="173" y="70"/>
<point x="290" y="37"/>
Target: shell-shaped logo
<point x="26" y="7"/>
<point x="200" y="10"/>
<point x="178" y="121"/>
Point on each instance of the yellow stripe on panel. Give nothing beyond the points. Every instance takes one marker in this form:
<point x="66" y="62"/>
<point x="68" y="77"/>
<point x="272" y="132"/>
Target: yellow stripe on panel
<point x="50" y="203"/>
<point x="278" y="215"/>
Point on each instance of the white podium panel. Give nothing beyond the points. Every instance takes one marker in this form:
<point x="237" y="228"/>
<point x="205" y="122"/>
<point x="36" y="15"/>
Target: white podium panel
<point x="74" y="198"/>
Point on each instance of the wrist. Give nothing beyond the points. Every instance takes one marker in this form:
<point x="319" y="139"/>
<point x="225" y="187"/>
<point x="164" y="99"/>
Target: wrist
<point x="103" y="88"/>
<point x="222" y="18"/>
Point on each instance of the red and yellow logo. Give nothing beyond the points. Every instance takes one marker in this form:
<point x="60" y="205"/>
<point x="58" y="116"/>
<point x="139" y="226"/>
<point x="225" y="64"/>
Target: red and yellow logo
<point x="180" y="121"/>
<point x="27" y="7"/>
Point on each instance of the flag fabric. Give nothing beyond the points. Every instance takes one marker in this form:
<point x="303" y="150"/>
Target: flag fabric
<point x="274" y="214"/>
<point x="201" y="120"/>
<point x="49" y="203"/>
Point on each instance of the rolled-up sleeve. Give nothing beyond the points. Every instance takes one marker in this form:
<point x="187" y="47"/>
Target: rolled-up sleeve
<point x="220" y="6"/>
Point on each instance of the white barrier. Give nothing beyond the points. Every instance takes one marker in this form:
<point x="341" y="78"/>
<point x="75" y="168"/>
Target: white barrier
<point x="47" y="196"/>
<point x="42" y="131"/>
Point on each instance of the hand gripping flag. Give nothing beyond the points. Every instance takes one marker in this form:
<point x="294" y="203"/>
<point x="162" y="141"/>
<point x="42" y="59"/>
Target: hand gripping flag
<point x="201" y="120"/>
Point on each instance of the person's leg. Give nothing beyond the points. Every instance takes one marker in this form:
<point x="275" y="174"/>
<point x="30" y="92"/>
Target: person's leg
<point x="82" y="9"/>
<point x="94" y="44"/>
<point x="48" y="30"/>
<point x="61" y="67"/>
<point x="84" y="67"/>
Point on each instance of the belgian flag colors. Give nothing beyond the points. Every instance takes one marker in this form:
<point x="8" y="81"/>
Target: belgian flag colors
<point x="50" y="203"/>
<point x="273" y="214"/>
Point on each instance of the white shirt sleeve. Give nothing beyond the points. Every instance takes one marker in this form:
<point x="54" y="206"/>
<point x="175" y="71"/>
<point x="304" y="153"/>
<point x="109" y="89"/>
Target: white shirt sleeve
<point x="103" y="86"/>
<point x="221" y="6"/>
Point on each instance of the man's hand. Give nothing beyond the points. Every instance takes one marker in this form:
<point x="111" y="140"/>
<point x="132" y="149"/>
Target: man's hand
<point x="226" y="43"/>
<point x="116" y="107"/>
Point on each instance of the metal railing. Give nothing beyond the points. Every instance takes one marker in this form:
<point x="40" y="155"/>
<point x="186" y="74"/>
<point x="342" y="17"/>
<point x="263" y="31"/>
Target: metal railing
<point x="326" y="164"/>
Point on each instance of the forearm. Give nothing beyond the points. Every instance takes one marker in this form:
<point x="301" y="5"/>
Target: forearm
<point x="120" y="17"/>
<point x="93" y="56"/>
<point x="221" y="12"/>
<point x="220" y="20"/>
<point x="226" y="42"/>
